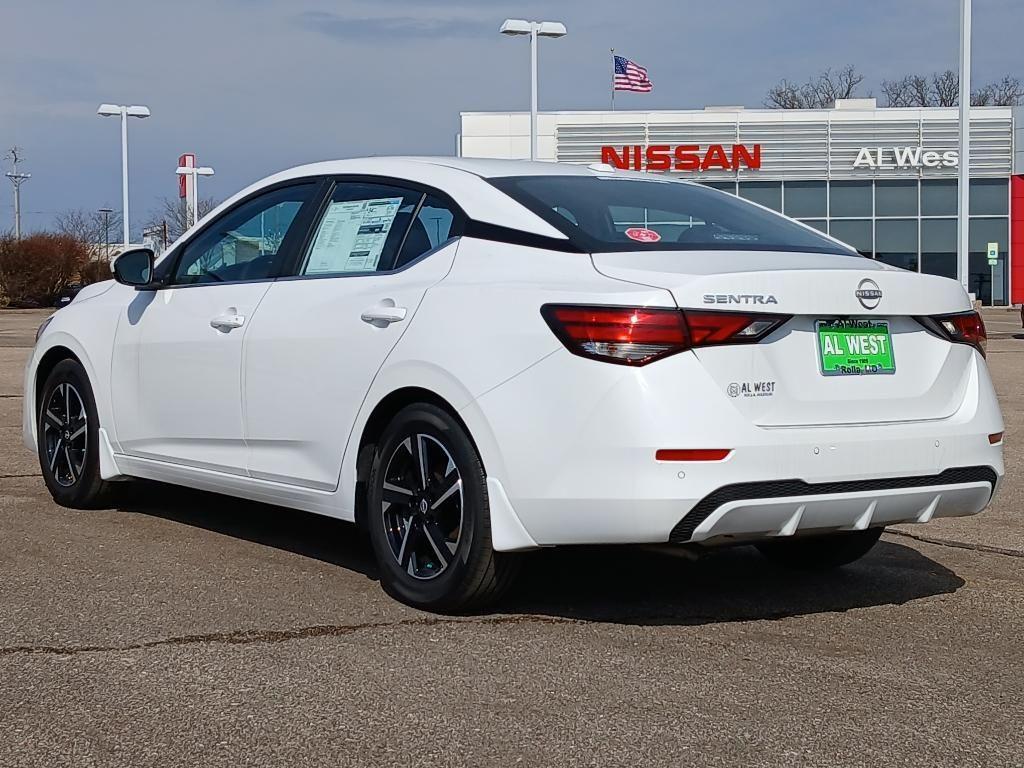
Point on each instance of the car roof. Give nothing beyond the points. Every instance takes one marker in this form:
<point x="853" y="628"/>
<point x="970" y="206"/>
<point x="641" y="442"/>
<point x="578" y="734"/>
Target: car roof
<point x="414" y="165"/>
<point x="465" y="180"/>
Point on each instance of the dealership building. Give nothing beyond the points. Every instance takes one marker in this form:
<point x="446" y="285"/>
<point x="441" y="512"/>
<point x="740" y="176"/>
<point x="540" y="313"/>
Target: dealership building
<point x="882" y="180"/>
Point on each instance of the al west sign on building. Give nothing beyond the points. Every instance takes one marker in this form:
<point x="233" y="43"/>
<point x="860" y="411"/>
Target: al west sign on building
<point x="882" y="180"/>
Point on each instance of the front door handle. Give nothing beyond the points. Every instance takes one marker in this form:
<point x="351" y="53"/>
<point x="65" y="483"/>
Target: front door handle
<point x="228" y="321"/>
<point x="384" y="314"/>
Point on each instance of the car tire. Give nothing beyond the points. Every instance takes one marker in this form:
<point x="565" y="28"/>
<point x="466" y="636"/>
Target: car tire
<point x="820" y="553"/>
<point x="428" y="515"/>
<point x="67" y="438"/>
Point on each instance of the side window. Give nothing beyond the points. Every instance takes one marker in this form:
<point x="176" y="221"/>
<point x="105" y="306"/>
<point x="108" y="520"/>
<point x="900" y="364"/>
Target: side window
<point x="361" y="230"/>
<point x="433" y="226"/>
<point x="244" y="244"/>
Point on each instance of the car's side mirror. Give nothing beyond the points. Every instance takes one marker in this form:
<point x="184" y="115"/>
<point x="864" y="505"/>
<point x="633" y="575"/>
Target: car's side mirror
<point x="134" y="267"/>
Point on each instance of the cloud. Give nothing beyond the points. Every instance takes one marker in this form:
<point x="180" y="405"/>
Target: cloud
<point x="391" y="28"/>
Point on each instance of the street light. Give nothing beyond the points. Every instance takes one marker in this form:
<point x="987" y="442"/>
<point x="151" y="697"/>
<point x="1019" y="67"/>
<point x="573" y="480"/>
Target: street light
<point x="106" y="231"/>
<point x="111" y="110"/>
<point x="534" y="29"/>
<point x="192" y="190"/>
<point x="964" y="171"/>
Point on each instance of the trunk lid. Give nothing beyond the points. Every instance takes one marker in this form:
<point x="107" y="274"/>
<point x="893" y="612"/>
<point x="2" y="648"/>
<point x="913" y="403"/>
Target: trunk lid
<point x="779" y="381"/>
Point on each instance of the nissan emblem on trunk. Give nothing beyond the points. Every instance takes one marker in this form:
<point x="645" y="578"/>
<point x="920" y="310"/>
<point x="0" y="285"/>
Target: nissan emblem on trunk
<point x="868" y="293"/>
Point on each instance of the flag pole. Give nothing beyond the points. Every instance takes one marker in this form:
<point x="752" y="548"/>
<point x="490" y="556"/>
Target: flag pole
<point x="613" y="79"/>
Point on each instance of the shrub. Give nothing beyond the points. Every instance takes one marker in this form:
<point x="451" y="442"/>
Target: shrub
<point x="35" y="269"/>
<point x="95" y="271"/>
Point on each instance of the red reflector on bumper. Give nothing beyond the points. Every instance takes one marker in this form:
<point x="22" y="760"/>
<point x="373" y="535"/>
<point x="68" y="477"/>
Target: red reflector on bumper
<point x="995" y="438"/>
<point x="691" y="454"/>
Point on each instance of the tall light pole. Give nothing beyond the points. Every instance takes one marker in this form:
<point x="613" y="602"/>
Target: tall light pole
<point x="112" y="110"/>
<point x="106" y="231"/>
<point x="534" y="29"/>
<point x="192" y="174"/>
<point x="963" y="186"/>
<point x="17" y="179"/>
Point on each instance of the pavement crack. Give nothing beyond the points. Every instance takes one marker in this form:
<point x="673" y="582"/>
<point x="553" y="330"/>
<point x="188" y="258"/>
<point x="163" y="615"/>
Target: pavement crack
<point x="958" y="544"/>
<point x="11" y="477"/>
<point x="255" y="636"/>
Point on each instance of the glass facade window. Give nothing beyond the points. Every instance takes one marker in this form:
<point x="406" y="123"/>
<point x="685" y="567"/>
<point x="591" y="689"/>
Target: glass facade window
<point x="854" y="232"/>
<point x="988" y="282"/>
<point x="806" y="199"/>
<point x="850" y="199"/>
<point x="938" y="197"/>
<point x="989" y="197"/>
<point x="725" y="186"/>
<point x="819" y="224"/>
<point x="766" y="193"/>
<point x="938" y="247"/>
<point x="908" y="223"/>
<point x="896" y="198"/>
<point x="896" y="242"/>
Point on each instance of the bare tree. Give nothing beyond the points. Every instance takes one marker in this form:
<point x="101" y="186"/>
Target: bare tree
<point x="939" y="89"/>
<point x="88" y="227"/>
<point x="786" y="95"/>
<point x="818" y="92"/>
<point x="1002" y="93"/>
<point x="942" y="89"/>
<point x="945" y="90"/>
<point x="175" y="213"/>
<point x="898" y="93"/>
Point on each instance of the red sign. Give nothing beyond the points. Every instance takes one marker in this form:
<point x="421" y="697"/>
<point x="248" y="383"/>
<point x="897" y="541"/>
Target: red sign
<point x="643" y="235"/>
<point x="683" y="157"/>
<point x="187" y="160"/>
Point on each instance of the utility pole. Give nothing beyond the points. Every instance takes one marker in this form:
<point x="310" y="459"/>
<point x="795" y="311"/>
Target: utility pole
<point x="17" y="179"/>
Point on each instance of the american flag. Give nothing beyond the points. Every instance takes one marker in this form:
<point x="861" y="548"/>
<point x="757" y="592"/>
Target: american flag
<point x="630" y="76"/>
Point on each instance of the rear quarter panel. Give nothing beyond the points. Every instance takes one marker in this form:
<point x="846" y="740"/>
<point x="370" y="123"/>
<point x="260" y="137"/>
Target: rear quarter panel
<point x="481" y="326"/>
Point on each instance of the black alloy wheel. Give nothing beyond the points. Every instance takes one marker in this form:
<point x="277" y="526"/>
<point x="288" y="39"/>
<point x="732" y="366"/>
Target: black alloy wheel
<point x="429" y="517"/>
<point x="67" y="434"/>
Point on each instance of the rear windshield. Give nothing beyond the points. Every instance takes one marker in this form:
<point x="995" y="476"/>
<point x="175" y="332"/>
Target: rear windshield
<point x="602" y="214"/>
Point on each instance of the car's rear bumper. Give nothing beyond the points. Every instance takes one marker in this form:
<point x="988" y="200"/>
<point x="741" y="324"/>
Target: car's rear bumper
<point x="573" y="445"/>
<point x="790" y="508"/>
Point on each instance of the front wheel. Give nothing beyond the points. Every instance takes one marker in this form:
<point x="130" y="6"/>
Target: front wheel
<point x="67" y="434"/>
<point x="819" y="553"/>
<point x="428" y="515"/>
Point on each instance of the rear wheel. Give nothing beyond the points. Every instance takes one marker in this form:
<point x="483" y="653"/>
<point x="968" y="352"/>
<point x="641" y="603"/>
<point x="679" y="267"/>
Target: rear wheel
<point x="819" y="553"/>
<point x="68" y="438"/>
<point x="428" y="515"/>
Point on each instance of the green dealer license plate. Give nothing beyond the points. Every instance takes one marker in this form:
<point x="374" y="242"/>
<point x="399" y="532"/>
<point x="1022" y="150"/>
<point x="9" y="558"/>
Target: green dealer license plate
<point x="854" y="347"/>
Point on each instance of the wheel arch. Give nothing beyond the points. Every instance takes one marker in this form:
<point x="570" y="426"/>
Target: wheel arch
<point x="44" y="368"/>
<point x="381" y="415"/>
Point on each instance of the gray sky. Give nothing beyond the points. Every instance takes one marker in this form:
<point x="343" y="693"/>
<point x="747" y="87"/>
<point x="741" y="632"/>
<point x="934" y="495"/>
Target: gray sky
<point x="254" y="86"/>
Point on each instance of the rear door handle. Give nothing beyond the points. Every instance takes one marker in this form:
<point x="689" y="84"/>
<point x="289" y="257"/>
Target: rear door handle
<point x="228" y="321"/>
<point x="383" y="314"/>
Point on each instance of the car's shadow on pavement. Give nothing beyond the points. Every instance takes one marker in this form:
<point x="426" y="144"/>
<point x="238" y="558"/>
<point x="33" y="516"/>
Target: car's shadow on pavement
<point x="636" y="585"/>
<point x="630" y="585"/>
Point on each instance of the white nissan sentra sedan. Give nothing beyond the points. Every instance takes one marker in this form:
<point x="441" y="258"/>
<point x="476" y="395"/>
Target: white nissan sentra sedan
<point x="475" y="358"/>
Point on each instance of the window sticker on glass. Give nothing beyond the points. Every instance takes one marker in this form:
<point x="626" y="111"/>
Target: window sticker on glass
<point x="352" y="235"/>
<point x="643" y="235"/>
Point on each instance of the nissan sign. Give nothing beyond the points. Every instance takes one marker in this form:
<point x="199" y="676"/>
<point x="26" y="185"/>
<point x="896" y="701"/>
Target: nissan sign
<point x="683" y="157"/>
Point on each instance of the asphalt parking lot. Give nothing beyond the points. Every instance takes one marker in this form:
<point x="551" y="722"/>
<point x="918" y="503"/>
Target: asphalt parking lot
<point x="185" y="628"/>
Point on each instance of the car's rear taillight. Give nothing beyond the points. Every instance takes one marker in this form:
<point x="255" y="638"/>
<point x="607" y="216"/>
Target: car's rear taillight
<point x="639" y="335"/>
<point x="627" y="335"/>
<point x="964" y="328"/>
<point x="711" y="328"/>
